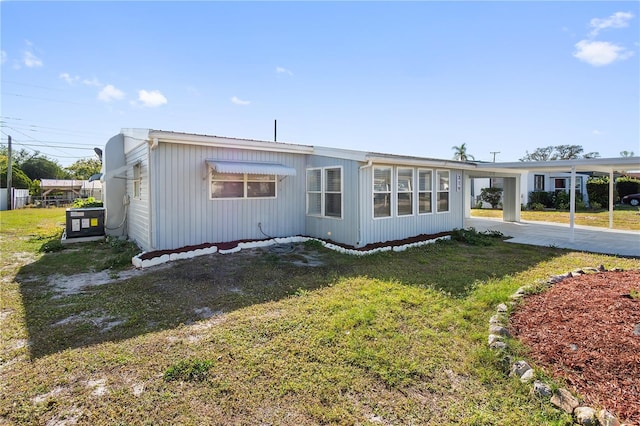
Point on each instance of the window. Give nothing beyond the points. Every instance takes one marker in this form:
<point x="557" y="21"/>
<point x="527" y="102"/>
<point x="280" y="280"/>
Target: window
<point x="314" y="192"/>
<point x="424" y="191"/>
<point x="443" y="190"/>
<point x="324" y="192"/>
<point x="381" y="192"/>
<point x="405" y="192"/>
<point x="242" y="185"/>
<point x="560" y="183"/>
<point x="137" y="180"/>
<point x="496" y="183"/>
<point x="538" y="182"/>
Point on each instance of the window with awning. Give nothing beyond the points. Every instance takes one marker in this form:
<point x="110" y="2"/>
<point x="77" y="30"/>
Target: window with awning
<point x="239" y="179"/>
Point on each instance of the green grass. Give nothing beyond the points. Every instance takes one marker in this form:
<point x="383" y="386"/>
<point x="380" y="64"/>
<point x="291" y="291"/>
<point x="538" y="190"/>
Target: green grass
<point x="624" y="217"/>
<point x="397" y="337"/>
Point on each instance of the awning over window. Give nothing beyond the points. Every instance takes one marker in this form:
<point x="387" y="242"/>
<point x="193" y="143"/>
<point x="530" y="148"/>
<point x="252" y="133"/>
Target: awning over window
<point x="251" y="168"/>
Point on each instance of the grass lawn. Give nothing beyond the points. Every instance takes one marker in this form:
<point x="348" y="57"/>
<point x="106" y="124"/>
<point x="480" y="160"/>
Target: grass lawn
<point x="624" y="217"/>
<point x="298" y="335"/>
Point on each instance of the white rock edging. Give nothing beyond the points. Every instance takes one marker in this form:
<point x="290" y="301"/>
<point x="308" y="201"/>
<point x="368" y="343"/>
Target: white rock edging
<point x="138" y="262"/>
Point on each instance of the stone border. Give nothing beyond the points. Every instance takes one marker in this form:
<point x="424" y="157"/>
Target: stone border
<point x="146" y="263"/>
<point x="561" y="398"/>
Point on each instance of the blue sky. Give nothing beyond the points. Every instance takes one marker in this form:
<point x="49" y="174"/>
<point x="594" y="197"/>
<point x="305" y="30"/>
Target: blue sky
<point x="411" y="78"/>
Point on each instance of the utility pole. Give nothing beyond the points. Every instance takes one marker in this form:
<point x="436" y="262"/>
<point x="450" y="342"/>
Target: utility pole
<point x="275" y="130"/>
<point x="494" y="154"/>
<point x="9" y="177"/>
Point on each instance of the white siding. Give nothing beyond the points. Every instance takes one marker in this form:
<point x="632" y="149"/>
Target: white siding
<point x="184" y="214"/>
<point x="344" y="230"/>
<point x="138" y="210"/>
<point x="399" y="227"/>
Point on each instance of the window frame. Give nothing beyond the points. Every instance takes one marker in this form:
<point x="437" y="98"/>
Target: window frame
<point x="389" y="191"/>
<point x="137" y="181"/>
<point x="324" y="191"/>
<point x="427" y="191"/>
<point x="440" y="191"/>
<point x="245" y="187"/>
<point x="536" y="180"/>
<point x="411" y="191"/>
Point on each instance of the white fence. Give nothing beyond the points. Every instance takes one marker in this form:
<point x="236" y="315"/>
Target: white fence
<point x="20" y="198"/>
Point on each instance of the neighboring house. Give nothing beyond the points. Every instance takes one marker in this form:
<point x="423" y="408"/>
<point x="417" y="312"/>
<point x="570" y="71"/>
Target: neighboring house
<point x="68" y="190"/>
<point x="166" y="190"/>
<point x="535" y="181"/>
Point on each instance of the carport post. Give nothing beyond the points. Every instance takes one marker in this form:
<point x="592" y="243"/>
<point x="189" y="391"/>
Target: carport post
<point x="611" y="199"/>
<point x="572" y="204"/>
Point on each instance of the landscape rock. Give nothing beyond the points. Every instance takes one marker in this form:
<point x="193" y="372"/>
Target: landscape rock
<point x="497" y="320"/>
<point x="607" y="419"/>
<point x="499" y="330"/>
<point x="519" y="368"/>
<point x="498" y="345"/>
<point x="589" y="269"/>
<point x="502" y="308"/>
<point x="601" y="268"/>
<point x="494" y="338"/>
<point x="636" y="330"/>
<point x="564" y="400"/>
<point x="541" y="389"/>
<point x="527" y="376"/>
<point x="585" y="416"/>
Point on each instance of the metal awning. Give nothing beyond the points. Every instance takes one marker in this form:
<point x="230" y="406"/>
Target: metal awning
<point x="251" y="168"/>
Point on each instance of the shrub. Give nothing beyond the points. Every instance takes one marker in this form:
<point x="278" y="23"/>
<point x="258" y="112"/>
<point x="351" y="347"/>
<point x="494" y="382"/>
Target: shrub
<point x="627" y="185"/>
<point x="81" y="203"/>
<point x="492" y="196"/>
<point x="541" y="197"/>
<point x="595" y="205"/>
<point x="537" y="206"/>
<point x="598" y="190"/>
<point x="475" y="238"/>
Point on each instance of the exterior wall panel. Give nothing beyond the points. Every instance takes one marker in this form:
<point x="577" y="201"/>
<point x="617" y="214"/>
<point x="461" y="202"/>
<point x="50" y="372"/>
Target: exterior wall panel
<point x="186" y="216"/>
<point x="394" y="227"/>
<point x="138" y="209"/>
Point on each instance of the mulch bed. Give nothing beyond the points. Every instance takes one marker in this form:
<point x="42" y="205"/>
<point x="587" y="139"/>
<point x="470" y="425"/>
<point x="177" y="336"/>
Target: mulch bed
<point x="582" y="330"/>
<point x="233" y="244"/>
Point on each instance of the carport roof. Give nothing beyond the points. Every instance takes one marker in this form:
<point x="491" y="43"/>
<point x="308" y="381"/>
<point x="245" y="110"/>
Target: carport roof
<point x="604" y="165"/>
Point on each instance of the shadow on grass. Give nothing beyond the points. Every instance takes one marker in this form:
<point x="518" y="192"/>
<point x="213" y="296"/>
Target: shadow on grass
<point x="63" y="314"/>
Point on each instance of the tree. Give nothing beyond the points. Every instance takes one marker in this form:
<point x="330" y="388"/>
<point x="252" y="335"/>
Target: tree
<point x="18" y="178"/>
<point x="83" y="169"/>
<point x="558" y="152"/>
<point x="460" y="153"/>
<point x="41" y="167"/>
<point x="626" y="153"/>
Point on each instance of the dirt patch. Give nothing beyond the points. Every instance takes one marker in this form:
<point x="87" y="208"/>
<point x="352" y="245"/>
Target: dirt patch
<point x="65" y="285"/>
<point x="583" y="331"/>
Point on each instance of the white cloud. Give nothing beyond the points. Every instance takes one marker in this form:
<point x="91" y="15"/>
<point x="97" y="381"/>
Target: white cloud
<point x="617" y="20"/>
<point x="151" y="98"/>
<point x="67" y="77"/>
<point x="599" y="53"/>
<point x="110" y="93"/>
<point x="3" y="56"/>
<point x="597" y="132"/>
<point x="30" y="60"/>
<point x="239" y="101"/>
<point x="281" y="70"/>
<point x="93" y="82"/>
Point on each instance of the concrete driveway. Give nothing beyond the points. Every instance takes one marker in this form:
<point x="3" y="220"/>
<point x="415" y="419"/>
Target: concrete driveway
<point x="586" y="238"/>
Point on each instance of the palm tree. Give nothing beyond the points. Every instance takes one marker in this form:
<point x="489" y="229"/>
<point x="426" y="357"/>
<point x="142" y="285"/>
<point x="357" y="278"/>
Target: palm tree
<point x="460" y="153"/>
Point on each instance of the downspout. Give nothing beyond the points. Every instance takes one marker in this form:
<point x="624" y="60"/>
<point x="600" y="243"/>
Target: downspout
<point x="359" y="186"/>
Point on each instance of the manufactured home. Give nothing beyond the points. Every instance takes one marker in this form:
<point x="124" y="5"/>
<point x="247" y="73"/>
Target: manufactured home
<point x="167" y="190"/>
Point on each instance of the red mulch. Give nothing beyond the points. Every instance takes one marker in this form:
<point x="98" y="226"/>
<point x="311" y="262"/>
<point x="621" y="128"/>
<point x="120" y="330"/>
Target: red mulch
<point x="232" y="244"/>
<point x="582" y="330"/>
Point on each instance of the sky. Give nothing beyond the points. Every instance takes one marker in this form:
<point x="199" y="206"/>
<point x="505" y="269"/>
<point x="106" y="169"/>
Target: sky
<point x="409" y="78"/>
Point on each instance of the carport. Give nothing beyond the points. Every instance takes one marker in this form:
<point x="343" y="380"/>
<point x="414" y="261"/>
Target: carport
<point x="512" y="173"/>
